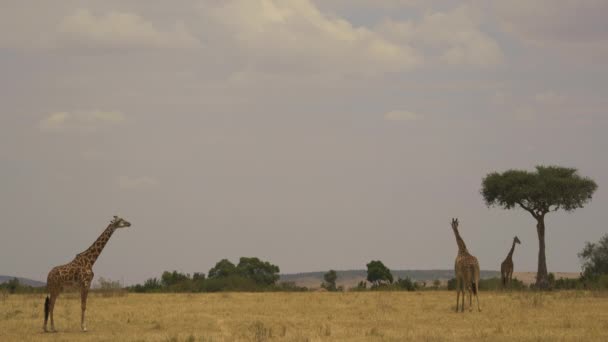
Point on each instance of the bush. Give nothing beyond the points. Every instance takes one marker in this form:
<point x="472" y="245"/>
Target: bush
<point x="110" y="288"/>
<point x="231" y="283"/>
<point x="378" y="274"/>
<point x="452" y="284"/>
<point x="289" y="286"/>
<point x="602" y="282"/>
<point x="495" y="284"/>
<point x="169" y="279"/>
<point x="361" y="286"/>
<point x="405" y="284"/>
<point x="567" y="284"/>
<point x="151" y="285"/>
<point x="595" y="258"/>
<point x="14" y="286"/>
<point x="329" y="282"/>
<point x="491" y="284"/>
<point x="261" y="272"/>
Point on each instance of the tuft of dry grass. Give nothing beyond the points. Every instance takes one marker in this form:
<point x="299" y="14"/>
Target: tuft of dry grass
<point x="315" y="316"/>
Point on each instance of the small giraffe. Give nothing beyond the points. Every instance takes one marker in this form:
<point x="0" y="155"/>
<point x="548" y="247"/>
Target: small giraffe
<point x="506" y="268"/>
<point x="79" y="273"/>
<point x="466" y="269"/>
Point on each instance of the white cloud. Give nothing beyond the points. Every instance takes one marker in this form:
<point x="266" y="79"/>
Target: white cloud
<point x="402" y="115"/>
<point x="295" y="34"/>
<point x="141" y="182"/>
<point x="121" y="30"/>
<point x="377" y="4"/>
<point x="83" y="120"/>
<point x="452" y="37"/>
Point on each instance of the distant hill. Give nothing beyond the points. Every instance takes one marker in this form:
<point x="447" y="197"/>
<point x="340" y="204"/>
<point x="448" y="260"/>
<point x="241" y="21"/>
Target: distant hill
<point x="24" y="281"/>
<point x="351" y="278"/>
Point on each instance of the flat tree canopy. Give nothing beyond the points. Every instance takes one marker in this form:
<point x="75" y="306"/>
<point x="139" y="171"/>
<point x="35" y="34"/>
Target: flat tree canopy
<point x="548" y="189"/>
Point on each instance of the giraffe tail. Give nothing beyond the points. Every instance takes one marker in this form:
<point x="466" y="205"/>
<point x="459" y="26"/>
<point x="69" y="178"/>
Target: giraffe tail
<point x="46" y="308"/>
<point x="474" y="288"/>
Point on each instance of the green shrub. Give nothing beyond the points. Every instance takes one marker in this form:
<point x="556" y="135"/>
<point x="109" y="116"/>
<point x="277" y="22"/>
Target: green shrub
<point x="405" y="284"/>
<point x="491" y="284"/>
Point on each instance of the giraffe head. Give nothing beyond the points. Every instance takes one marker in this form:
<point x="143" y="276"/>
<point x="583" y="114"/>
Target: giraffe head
<point x="516" y="240"/>
<point x="118" y="222"/>
<point x="455" y="223"/>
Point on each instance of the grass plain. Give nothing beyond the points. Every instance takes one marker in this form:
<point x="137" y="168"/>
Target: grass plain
<point x="312" y="316"/>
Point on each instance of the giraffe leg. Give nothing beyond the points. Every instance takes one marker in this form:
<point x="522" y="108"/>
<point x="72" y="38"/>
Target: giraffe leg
<point x="461" y="288"/>
<point x="457" y="293"/>
<point x="46" y="312"/>
<point x="462" y="302"/>
<point x="52" y="301"/>
<point x="477" y="294"/>
<point x="84" y="291"/>
<point x="470" y="290"/>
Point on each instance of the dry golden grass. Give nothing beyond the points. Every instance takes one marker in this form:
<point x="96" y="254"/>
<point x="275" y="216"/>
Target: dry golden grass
<point x="351" y="316"/>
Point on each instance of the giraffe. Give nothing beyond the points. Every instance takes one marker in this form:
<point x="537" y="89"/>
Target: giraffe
<point x="466" y="269"/>
<point x="79" y="273"/>
<point x="506" y="268"/>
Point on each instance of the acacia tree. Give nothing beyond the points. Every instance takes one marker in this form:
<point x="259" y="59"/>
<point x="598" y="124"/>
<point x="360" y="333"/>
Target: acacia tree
<point x="595" y="258"/>
<point x="330" y="280"/>
<point x="548" y="189"/>
<point x="377" y="273"/>
<point x="261" y="272"/>
<point x="222" y="269"/>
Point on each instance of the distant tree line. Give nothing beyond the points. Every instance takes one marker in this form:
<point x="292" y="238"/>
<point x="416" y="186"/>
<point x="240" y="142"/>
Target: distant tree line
<point x="15" y="286"/>
<point x="253" y="274"/>
<point x="380" y="278"/>
<point x="250" y="274"/>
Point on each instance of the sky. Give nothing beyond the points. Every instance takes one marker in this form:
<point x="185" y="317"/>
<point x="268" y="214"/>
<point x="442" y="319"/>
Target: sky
<point x="316" y="134"/>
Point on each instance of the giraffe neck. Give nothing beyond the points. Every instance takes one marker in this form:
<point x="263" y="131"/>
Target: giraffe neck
<point x="92" y="253"/>
<point x="462" y="248"/>
<point x="510" y="255"/>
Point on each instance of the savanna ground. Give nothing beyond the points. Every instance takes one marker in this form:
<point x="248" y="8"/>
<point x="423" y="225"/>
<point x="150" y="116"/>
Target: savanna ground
<point x="349" y="316"/>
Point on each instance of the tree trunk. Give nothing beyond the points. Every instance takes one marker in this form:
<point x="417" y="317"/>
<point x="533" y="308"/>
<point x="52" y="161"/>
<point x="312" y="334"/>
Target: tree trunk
<point x="542" y="279"/>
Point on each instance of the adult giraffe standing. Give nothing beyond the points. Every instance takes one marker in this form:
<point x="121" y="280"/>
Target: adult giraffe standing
<point x="79" y="272"/>
<point x="466" y="269"/>
<point x="506" y="268"/>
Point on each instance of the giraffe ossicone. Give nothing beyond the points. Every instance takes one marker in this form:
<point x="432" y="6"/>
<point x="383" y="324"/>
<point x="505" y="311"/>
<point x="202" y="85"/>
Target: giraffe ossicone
<point x="78" y="273"/>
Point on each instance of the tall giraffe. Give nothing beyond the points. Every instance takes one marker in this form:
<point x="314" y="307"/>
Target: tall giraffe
<point x="506" y="268"/>
<point x="79" y="272"/>
<point x="466" y="269"/>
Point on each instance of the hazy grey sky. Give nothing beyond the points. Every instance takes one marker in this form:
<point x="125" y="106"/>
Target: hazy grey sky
<point x="314" y="134"/>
